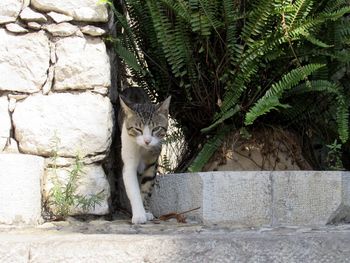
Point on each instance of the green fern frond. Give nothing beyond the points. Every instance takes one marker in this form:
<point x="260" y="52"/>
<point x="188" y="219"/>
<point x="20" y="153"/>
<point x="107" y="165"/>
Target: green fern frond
<point x="208" y="150"/>
<point x="342" y="118"/>
<point x="228" y="114"/>
<point x="301" y="8"/>
<point x="335" y="14"/>
<point x="271" y="98"/>
<point x="129" y="58"/>
<point x="334" y="5"/>
<point x="257" y="20"/>
<point x="315" y="86"/>
<point x="315" y="41"/>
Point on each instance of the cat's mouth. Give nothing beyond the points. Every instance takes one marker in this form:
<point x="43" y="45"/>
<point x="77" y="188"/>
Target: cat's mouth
<point x="147" y="146"/>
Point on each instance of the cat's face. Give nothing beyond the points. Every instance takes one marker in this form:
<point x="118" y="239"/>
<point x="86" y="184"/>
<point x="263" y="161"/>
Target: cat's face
<point x="147" y="124"/>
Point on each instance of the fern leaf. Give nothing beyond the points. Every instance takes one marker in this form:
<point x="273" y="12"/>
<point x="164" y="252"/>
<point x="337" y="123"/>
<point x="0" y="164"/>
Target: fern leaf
<point x="228" y="114"/>
<point x="342" y="118"/>
<point x="208" y="150"/>
<point x="315" y="41"/>
<point x="315" y="86"/>
<point x="271" y="98"/>
<point x="301" y="9"/>
<point x="257" y="20"/>
<point x="129" y="58"/>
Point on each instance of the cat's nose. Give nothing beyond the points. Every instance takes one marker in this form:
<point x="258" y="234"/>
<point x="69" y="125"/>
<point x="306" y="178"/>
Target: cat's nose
<point x="147" y="141"/>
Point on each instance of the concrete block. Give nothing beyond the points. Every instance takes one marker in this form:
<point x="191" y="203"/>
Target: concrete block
<point x="20" y="193"/>
<point x="306" y="198"/>
<point x="178" y="192"/>
<point x="257" y="198"/>
<point x="240" y="198"/>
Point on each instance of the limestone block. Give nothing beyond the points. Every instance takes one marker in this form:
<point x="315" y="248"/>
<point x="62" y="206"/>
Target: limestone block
<point x="59" y="18"/>
<point x="82" y="123"/>
<point x="91" y="181"/>
<point x="306" y="198"/>
<point x="92" y="30"/>
<point x="15" y="28"/>
<point x="178" y="193"/>
<point x="28" y="14"/>
<point x="257" y="198"/>
<point x="34" y="25"/>
<point x="5" y="122"/>
<point x="81" y="10"/>
<point x="24" y="61"/>
<point x="61" y="30"/>
<point x="81" y="64"/>
<point x="9" y="10"/>
<point x="242" y="199"/>
<point x="20" y="191"/>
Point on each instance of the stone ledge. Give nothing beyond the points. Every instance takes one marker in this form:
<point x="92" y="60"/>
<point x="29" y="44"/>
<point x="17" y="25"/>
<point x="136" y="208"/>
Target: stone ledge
<point x="178" y="243"/>
<point x="257" y="198"/>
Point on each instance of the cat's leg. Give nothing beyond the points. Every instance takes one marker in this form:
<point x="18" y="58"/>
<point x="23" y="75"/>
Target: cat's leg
<point x="146" y="185"/>
<point x="133" y="192"/>
<point x="131" y="160"/>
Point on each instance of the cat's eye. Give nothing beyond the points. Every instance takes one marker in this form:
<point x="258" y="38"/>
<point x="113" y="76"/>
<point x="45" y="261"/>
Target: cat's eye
<point x="159" y="131"/>
<point x="134" y="131"/>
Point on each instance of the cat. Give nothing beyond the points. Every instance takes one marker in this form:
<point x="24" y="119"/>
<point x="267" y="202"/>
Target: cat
<point x="143" y="126"/>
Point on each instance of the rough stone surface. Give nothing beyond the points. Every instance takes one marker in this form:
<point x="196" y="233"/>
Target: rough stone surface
<point x="34" y="25"/>
<point x="120" y="242"/>
<point x="257" y="198"/>
<point x="59" y="18"/>
<point x="243" y="199"/>
<point x="5" y="122"/>
<point x="20" y="193"/>
<point x="81" y="64"/>
<point x="81" y="10"/>
<point x="15" y="28"/>
<point x="82" y="122"/>
<point x="28" y="14"/>
<point x="24" y="61"/>
<point x="61" y="30"/>
<point x="91" y="182"/>
<point x="93" y="30"/>
<point x="9" y="10"/>
<point x="306" y="197"/>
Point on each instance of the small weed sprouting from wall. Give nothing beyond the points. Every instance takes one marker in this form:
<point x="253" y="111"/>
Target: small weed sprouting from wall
<point x="64" y="196"/>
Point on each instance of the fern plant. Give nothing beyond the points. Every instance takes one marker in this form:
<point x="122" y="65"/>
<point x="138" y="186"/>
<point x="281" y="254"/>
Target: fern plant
<point x="239" y="63"/>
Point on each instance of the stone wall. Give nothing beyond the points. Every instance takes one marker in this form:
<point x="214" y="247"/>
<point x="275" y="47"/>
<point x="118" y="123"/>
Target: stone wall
<point x="54" y="88"/>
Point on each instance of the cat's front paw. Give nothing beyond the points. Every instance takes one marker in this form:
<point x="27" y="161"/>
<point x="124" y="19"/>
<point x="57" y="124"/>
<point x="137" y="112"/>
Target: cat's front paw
<point x="139" y="218"/>
<point x="142" y="218"/>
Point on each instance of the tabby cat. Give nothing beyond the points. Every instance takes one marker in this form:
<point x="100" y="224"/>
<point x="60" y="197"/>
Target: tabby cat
<point x="143" y="126"/>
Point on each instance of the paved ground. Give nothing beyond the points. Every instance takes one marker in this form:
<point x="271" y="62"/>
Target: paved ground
<point x="118" y="241"/>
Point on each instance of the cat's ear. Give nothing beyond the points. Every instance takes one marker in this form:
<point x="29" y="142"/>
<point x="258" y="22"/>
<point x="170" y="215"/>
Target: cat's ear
<point x="127" y="110"/>
<point x="164" y="107"/>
